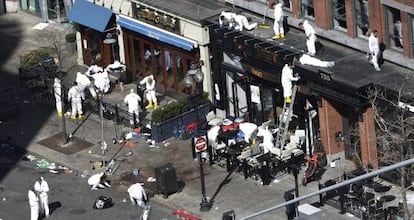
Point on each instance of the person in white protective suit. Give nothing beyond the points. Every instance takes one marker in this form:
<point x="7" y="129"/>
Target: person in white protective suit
<point x="75" y="98"/>
<point x="286" y="79"/>
<point x="278" y="22"/>
<point x="41" y="188"/>
<point x="93" y="69"/>
<point x="102" y="82"/>
<point x="227" y="17"/>
<point x="138" y="197"/>
<point x="374" y="50"/>
<point x="132" y="100"/>
<point x="242" y="22"/>
<point x="85" y="83"/>
<point x="310" y="37"/>
<point x="34" y="205"/>
<point x="57" y="91"/>
<point x="150" y="90"/>
<point x="305" y="59"/>
<point x="98" y="181"/>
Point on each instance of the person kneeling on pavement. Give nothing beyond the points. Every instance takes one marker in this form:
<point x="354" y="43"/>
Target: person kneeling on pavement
<point x="98" y="180"/>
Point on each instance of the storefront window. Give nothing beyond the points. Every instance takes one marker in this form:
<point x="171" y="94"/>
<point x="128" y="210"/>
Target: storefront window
<point x="394" y="30"/>
<point x="307" y="10"/>
<point x="56" y="9"/>
<point x="232" y="59"/>
<point x="287" y="5"/>
<point x="339" y="15"/>
<point x="362" y="18"/>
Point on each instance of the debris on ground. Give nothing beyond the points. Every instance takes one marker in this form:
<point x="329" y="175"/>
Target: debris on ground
<point x="43" y="164"/>
<point x="136" y="171"/>
<point x="29" y="158"/>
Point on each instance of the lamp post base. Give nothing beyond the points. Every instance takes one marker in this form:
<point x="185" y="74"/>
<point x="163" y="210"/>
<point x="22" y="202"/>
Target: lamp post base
<point x="205" y="205"/>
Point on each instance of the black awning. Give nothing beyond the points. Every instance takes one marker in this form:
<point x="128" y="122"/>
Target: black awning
<point x="261" y="70"/>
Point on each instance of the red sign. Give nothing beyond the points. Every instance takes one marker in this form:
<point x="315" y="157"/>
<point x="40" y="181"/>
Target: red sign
<point x="200" y="143"/>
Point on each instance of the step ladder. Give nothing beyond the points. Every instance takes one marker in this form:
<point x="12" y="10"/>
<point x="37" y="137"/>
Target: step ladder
<point x="285" y="119"/>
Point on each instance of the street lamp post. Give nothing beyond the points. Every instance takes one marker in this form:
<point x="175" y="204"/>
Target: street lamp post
<point x="104" y="146"/>
<point x="195" y="78"/>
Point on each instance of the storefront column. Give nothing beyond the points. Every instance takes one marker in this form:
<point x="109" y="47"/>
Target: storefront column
<point x="121" y="44"/>
<point x="79" y="45"/>
<point x="205" y="57"/>
<point x="368" y="139"/>
<point x="330" y="122"/>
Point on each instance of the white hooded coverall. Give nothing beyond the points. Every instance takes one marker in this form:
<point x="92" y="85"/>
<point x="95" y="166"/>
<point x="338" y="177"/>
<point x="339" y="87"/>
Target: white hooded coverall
<point x="138" y="196"/>
<point x="57" y="90"/>
<point x="34" y="205"/>
<point x="310" y="38"/>
<point x="102" y="82"/>
<point x="42" y="188"/>
<point x="309" y="60"/>
<point x="132" y="101"/>
<point x="75" y="97"/>
<point x="374" y="50"/>
<point x="228" y="17"/>
<point x="150" y="88"/>
<point x="241" y="21"/>
<point x="286" y="80"/>
<point x="83" y="82"/>
<point x="96" y="181"/>
<point x="278" y="23"/>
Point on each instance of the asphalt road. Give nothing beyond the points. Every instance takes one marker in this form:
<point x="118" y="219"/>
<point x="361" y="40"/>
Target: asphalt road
<point x="70" y="196"/>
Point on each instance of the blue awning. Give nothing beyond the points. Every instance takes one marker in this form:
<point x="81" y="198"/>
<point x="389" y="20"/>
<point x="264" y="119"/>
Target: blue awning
<point x="90" y="15"/>
<point x="156" y="33"/>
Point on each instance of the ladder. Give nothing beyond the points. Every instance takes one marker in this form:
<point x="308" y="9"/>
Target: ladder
<point x="285" y="120"/>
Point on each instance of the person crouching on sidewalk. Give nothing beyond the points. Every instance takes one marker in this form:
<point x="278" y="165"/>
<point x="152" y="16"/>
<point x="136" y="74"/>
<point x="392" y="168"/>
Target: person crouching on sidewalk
<point x="98" y="181"/>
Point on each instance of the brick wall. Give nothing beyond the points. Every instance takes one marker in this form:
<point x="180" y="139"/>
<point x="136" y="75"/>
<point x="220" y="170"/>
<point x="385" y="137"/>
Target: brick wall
<point x="330" y="122"/>
<point x="368" y="139"/>
<point x="322" y="12"/>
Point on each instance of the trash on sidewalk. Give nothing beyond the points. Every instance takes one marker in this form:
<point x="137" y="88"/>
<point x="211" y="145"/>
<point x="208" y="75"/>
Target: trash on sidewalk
<point x="29" y="158"/>
<point x="96" y="165"/>
<point x="151" y="179"/>
<point x="136" y="171"/>
<point x="128" y="154"/>
<point x="183" y="214"/>
<point x="43" y="164"/>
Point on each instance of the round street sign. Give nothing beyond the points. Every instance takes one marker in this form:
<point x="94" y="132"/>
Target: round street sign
<point x="200" y="143"/>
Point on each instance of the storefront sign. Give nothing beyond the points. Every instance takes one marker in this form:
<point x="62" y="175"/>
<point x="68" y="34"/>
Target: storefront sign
<point x="257" y="73"/>
<point x="155" y="17"/>
<point x="325" y="76"/>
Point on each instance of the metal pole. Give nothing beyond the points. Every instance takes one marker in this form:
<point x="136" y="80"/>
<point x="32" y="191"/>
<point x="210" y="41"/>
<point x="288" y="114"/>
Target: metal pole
<point x="204" y="205"/>
<point x="333" y="187"/>
<point x="103" y="143"/>
<point x="62" y="104"/>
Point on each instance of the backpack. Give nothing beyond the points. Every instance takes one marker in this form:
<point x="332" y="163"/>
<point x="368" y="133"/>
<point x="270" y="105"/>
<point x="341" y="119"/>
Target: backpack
<point x="103" y="202"/>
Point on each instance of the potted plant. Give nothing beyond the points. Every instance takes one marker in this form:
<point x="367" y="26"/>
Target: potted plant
<point x="176" y="115"/>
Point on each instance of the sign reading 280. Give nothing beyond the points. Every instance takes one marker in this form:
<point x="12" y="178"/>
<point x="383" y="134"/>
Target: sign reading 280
<point x="325" y="76"/>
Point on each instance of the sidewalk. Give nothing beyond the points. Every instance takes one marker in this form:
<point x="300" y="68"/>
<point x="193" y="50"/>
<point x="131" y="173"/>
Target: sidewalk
<point x="229" y="191"/>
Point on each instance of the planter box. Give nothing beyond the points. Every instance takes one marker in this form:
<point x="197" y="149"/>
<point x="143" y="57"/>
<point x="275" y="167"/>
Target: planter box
<point x="165" y="130"/>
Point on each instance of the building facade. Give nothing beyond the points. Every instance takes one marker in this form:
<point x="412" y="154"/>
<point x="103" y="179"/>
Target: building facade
<point x="349" y="23"/>
<point x="242" y="69"/>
